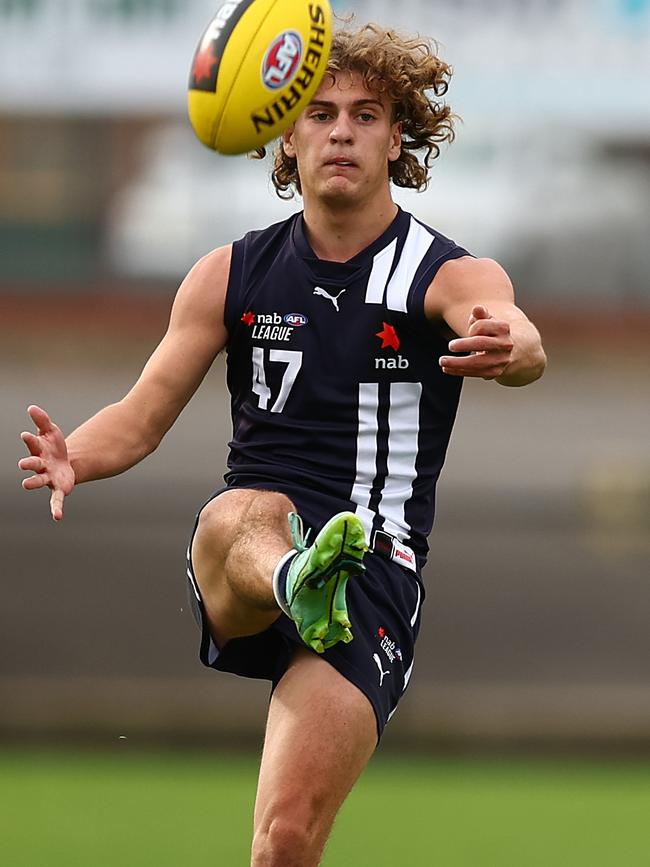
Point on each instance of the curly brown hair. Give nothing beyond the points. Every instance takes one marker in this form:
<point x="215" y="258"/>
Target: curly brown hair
<point x="408" y="71"/>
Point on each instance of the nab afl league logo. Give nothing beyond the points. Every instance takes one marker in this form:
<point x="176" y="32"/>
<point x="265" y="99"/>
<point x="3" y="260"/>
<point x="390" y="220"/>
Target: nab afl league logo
<point x="282" y="60"/>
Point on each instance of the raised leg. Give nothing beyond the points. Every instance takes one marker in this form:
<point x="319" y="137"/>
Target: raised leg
<point x="241" y="536"/>
<point x="321" y="732"/>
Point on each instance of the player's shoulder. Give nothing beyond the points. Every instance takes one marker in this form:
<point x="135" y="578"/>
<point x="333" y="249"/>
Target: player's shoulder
<point x="203" y="290"/>
<point x="412" y="219"/>
<point x="466" y="270"/>
<point x="259" y="250"/>
<point x="260" y="239"/>
<point x="214" y="264"/>
<point x="463" y="280"/>
<point x="438" y="248"/>
<point x="217" y="263"/>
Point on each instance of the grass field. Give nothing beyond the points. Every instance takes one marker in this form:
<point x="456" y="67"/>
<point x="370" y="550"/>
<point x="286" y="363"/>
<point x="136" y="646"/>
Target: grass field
<point x="129" y="809"/>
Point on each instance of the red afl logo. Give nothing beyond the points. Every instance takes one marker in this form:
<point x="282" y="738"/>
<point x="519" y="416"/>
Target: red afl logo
<point x="282" y="60"/>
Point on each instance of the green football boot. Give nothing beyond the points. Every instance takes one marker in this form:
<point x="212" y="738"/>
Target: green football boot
<point x="317" y="578"/>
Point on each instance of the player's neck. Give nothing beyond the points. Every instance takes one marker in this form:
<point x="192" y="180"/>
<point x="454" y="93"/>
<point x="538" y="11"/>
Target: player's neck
<point x="338" y="235"/>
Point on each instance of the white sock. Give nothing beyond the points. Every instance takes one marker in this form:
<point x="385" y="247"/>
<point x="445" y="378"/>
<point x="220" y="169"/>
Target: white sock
<point x="280" y="580"/>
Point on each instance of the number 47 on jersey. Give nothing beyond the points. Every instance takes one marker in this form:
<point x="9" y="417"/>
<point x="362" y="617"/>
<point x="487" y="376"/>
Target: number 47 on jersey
<point x="293" y="360"/>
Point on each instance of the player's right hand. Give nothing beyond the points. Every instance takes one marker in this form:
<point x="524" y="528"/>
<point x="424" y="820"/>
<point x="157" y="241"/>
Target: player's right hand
<point x="48" y="461"/>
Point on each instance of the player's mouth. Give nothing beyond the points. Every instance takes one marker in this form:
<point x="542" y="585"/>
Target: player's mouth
<point x="341" y="162"/>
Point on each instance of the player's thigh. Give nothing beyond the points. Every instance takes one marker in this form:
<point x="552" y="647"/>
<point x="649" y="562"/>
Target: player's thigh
<point x="245" y="606"/>
<point x="321" y="732"/>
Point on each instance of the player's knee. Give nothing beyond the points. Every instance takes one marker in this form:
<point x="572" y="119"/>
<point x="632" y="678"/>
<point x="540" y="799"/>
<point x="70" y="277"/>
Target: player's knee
<point x="268" y="509"/>
<point x="220" y="521"/>
<point x="286" y="841"/>
<point x="231" y="523"/>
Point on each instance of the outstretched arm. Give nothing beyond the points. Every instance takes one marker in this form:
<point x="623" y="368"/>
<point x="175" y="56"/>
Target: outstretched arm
<point x="122" y="434"/>
<point x="476" y="299"/>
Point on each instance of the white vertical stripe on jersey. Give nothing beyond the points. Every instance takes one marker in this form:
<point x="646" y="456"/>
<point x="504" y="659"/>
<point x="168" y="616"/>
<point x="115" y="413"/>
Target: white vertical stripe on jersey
<point x="403" y="434"/>
<point x="366" y="453"/>
<point x="382" y="263"/>
<point x="415" y="249"/>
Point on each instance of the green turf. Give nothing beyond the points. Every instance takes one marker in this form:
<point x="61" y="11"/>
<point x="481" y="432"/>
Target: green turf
<point x="127" y="809"/>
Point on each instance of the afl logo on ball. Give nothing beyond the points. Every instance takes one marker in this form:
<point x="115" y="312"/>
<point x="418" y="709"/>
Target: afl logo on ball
<point x="282" y="60"/>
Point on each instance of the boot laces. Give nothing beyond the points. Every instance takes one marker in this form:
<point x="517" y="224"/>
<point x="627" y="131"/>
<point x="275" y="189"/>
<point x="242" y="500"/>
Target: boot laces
<point x="299" y="539"/>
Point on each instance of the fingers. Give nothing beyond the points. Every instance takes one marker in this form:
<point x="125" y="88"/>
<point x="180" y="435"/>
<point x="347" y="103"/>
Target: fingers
<point x="479" y="312"/>
<point x="491" y="327"/>
<point x="40" y="418"/>
<point x="44" y="425"/>
<point x="489" y="347"/>
<point x="33" y="464"/>
<point x="32" y="442"/>
<point x="56" y="505"/>
<point x="501" y="343"/>
<point x="56" y="477"/>
<point x="33" y="483"/>
<point x="486" y="365"/>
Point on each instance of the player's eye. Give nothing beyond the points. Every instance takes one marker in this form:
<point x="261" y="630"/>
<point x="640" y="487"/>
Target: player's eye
<point x="366" y="116"/>
<point x="319" y="115"/>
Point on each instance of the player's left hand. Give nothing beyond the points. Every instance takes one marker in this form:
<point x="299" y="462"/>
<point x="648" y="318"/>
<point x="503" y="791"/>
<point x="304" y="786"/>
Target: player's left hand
<point x="489" y="343"/>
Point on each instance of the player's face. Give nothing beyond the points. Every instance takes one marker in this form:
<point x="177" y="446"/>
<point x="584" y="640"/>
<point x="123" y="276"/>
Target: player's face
<point x="344" y="141"/>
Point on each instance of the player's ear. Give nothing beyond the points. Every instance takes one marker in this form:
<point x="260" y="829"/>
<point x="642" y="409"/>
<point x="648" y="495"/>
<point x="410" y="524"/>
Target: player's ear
<point x="287" y="142"/>
<point x="395" y="147"/>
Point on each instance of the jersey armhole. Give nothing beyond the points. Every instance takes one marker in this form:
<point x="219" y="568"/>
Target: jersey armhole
<point x="232" y="313"/>
<point x="425" y="278"/>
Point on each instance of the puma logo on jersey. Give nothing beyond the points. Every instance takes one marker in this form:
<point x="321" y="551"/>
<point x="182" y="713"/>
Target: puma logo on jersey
<point x="382" y="673"/>
<point x="333" y="298"/>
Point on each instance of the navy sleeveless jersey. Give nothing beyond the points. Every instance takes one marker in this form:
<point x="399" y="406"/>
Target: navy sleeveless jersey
<point x="334" y="376"/>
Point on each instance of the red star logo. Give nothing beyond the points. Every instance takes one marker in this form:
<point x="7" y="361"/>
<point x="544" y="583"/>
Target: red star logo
<point x="381" y="632"/>
<point x="204" y="63"/>
<point x="248" y="319"/>
<point x="389" y="337"/>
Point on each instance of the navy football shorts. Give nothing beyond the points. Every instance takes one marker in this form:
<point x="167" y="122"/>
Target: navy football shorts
<point x="384" y="605"/>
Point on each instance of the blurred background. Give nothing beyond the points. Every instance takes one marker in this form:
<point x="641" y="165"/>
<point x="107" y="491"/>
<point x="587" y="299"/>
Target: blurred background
<point x="535" y="636"/>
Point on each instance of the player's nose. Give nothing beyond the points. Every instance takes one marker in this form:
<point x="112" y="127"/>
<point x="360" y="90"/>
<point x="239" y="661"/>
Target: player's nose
<point x="342" y="131"/>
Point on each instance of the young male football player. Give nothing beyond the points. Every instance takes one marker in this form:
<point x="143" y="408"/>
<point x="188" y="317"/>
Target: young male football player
<point x="348" y="330"/>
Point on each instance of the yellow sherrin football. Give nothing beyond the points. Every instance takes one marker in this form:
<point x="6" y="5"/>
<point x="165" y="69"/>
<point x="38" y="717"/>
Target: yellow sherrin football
<point x="257" y="66"/>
